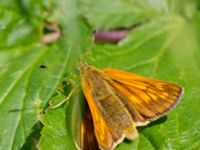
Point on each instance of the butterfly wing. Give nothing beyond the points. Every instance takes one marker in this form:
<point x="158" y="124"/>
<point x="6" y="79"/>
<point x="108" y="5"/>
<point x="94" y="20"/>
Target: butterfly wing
<point x="112" y="121"/>
<point x="148" y="98"/>
<point x="88" y="139"/>
<point x="105" y="134"/>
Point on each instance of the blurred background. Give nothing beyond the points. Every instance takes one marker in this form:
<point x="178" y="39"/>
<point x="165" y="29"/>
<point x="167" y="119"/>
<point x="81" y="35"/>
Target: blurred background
<point x="42" y="41"/>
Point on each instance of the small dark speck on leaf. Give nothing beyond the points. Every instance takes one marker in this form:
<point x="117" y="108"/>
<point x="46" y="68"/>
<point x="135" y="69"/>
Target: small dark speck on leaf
<point x="43" y="66"/>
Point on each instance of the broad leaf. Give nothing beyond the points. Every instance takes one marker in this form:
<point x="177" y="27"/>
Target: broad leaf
<point x="120" y="13"/>
<point x="166" y="49"/>
<point x="25" y="87"/>
<point x="54" y="133"/>
<point x="162" y="43"/>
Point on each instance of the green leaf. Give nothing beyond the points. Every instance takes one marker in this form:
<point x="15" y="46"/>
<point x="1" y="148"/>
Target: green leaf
<point x="164" y="45"/>
<point x="54" y="134"/>
<point x="120" y="13"/>
<point x="141" y="143"/>
<point x="21" y="22"/>
<point x="25" y="87"/>
<point x="15" y="29"/>
<point x="169" y="53"/>
<point x="61" y="125"/>
<point x="78" y="34"/>
<point x="166" y="48"/>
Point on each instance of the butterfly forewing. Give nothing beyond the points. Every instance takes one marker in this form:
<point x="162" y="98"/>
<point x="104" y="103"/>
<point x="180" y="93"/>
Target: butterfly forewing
<point x="150" y="98"/>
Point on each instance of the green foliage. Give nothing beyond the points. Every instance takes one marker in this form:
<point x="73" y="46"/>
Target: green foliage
<point x="163" y="43"/>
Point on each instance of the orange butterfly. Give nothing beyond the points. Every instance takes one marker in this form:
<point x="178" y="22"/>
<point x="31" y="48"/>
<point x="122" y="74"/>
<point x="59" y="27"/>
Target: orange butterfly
<point x="119" y="102"/>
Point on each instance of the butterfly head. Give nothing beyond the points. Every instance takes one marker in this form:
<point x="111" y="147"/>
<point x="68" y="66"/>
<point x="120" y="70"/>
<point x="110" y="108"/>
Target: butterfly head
<point x="82" y="66"/>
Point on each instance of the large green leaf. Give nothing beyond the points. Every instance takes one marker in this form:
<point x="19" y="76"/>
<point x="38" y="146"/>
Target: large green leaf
<point x="165" y="46"/>
<point x="15" y="29"/>
<point x="79" y="35"/>
<point x="25" y="87"/>
<point x="120" y="13"/>
<point x="54" y="133"/>
<point x="167" y="49"/>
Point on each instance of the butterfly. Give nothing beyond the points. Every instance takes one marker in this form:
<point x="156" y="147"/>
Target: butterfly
<point x="119" y="102"/>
